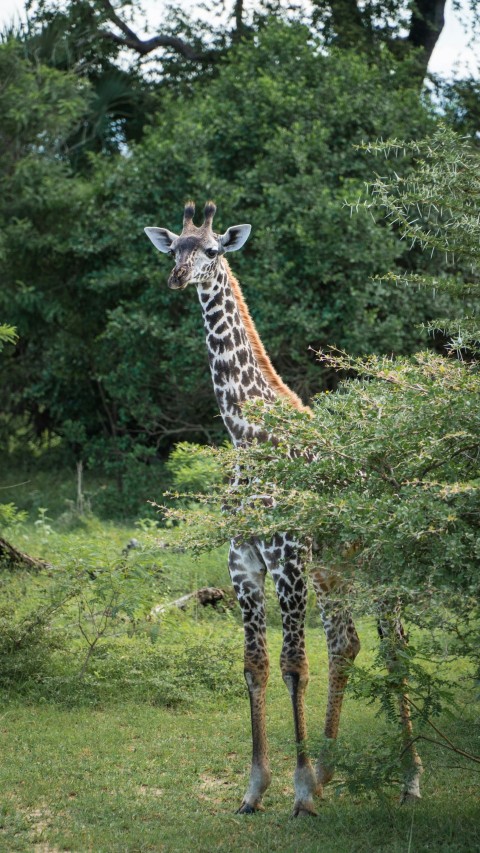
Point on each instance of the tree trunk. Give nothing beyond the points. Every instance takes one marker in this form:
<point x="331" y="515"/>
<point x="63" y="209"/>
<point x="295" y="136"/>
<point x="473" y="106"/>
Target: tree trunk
<point x="239" y="28"/>
<point x="349" y="24"/>
<point x="355" y="27"/>
<point x="17" y="559"/>
<point x="427" y="22"/>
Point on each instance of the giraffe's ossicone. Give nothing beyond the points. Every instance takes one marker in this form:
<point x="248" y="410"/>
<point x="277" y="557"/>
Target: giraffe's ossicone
<point x="241" y="370"/>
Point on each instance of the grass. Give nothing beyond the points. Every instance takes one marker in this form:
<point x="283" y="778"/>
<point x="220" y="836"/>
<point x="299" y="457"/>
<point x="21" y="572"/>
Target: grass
<point x="130" y="777"/>
<point x="150" y="750"/>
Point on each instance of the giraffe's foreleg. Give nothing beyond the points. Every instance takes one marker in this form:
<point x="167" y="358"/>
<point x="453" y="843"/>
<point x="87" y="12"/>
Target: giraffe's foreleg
<point x="248" y="578"/>
<point x="291" y="587"/>
<point x="393" y="641"/>
<point x="343" y="646"/>
<point x="256" y="677"/>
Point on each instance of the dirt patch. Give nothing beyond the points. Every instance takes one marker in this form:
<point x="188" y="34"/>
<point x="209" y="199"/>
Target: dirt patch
<point x="148" y="791"/>
<point x="39" y="819"/>
<point x="212" y="788"/>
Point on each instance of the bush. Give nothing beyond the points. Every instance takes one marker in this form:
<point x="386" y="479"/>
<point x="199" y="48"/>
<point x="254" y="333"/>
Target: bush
<point x="192" y="468"/>
<point x="26" y="648"/>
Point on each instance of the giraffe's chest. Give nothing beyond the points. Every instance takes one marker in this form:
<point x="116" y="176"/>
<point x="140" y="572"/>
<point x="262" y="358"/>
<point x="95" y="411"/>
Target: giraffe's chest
<point x="235" y="382"/>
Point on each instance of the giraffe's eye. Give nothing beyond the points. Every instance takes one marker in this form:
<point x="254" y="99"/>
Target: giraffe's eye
<point x="171" y="251"/>
<point x="211" y="253"/>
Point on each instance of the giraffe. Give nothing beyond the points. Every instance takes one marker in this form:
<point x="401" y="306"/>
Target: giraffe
<point x="241" y="370"/>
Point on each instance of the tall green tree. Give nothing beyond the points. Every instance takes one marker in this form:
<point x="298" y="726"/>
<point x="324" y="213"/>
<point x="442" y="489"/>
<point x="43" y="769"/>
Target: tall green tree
<point x="66" y="38"/>
<point x="40" y="205"/>
<point x="274" y="147"/>
<point x="106" y="352"/>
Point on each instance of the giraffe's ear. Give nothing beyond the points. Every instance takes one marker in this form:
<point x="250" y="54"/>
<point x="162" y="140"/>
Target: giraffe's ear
<point x="234" y="238"/>
<point x="161" y="238"/>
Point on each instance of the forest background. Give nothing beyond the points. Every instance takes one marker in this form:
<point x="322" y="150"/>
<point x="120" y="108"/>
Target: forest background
<point x="104" y="133"/>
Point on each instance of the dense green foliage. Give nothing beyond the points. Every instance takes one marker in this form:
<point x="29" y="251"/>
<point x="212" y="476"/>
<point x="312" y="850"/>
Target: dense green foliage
<point x="108" y="359"/>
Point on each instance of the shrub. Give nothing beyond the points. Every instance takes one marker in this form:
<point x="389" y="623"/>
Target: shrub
<point x="26" y="648"/>
<point x="192" y="468"/>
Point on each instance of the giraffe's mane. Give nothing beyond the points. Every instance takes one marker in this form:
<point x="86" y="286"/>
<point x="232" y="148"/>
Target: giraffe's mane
<point x="275" y="382"/>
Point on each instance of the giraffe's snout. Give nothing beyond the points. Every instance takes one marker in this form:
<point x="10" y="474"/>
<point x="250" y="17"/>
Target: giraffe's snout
<point x="177" y="278"/>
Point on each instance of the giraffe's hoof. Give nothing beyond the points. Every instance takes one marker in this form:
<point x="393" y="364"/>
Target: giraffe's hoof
<point x="411" y="788"/>
<point x="324" y="775"/>
<point x="304" y="810"/>
<point x="246" y="808"/>
<point x="409" y="797"/>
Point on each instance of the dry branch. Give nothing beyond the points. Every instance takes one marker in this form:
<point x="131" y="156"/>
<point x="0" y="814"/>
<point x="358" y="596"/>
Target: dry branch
<point x="13" y="556"/>
<point x="206" y="595"/>
<point x="145" y="46"/>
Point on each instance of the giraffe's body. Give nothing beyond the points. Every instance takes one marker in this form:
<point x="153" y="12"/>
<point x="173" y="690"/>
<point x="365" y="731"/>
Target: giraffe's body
<point x="241" y="370"/>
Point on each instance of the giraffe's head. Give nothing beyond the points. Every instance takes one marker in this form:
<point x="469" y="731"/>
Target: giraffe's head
<point x="196" y="250"/>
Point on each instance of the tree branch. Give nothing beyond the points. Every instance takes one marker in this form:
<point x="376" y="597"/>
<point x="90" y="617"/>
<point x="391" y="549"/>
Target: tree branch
<point x="239" y="25"/>
<point x="145" y="46"/>
<point x="447" y="743"/>
<point x="206" y="595"/>
<point x="455" y="749"/>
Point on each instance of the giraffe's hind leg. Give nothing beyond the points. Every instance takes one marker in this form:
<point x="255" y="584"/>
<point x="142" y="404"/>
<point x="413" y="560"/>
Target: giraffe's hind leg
<point x="248" y="577"/>
<point x="283" y="559"/>
<point x="393" y="639"/>
<point x="343" y="646"/>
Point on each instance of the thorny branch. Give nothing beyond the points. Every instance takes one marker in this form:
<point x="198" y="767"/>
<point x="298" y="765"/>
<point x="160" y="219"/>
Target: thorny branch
<point x="446" y="743"/>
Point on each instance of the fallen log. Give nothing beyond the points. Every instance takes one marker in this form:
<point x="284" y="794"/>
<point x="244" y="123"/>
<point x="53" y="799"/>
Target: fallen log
<point x="15" y="558"/>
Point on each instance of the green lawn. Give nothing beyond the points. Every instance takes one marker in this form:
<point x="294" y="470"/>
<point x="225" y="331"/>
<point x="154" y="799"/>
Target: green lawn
<point x="131" y="777"/>
<point x="151" y="750"/>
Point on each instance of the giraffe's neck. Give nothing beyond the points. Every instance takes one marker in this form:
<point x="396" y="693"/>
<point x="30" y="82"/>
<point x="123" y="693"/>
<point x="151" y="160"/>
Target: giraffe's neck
<point x="240" y="367"/>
